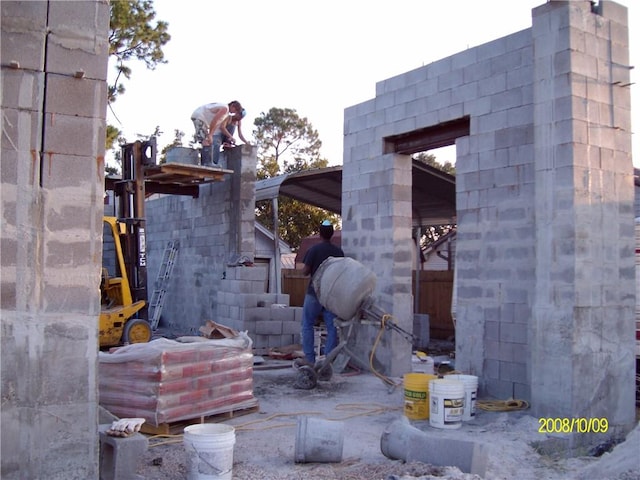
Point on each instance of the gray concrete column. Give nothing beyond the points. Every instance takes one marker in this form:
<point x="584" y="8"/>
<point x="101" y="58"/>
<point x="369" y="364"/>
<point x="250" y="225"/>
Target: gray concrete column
<point x="582" y="330"/>
<point x="54" y="64"/>
<point x="377" y="229"/>
<point x="242" y="160"/>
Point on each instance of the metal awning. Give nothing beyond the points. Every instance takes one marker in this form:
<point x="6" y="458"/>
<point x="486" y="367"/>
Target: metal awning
<point x="320" y="187"/>
<point x="433" y="191"/>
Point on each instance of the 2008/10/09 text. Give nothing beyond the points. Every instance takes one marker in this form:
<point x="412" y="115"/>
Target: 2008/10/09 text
<point x="573" y="425"/>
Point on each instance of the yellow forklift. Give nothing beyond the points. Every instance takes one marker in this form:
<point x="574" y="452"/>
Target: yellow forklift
<point x="125" y="306"/>
<point x="124" y="316"/>
<point x="121" y="320"/>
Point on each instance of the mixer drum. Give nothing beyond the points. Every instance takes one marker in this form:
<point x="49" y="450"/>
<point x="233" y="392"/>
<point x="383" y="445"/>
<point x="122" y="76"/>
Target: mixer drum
<point x="342" y="284"/>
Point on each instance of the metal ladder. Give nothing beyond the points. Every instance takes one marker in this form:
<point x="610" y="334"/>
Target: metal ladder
<point x="157" y="298"/>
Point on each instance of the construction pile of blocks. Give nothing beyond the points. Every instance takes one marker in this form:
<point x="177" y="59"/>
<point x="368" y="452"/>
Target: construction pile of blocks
<point x="266" y="317"/>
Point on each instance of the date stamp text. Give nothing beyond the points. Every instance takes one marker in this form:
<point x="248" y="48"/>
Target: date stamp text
<point x="573" y="425"/>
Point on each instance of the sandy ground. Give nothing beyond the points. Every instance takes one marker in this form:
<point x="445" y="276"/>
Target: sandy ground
<point x="266" y="439"/>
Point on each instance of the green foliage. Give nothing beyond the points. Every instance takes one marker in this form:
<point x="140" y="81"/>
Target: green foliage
<point x="133" y="34"/>
<point x="288" y="143"/>
<point x="430" y="159"/>
<point x="113" y="135"/>
<point x="432" y="233"/>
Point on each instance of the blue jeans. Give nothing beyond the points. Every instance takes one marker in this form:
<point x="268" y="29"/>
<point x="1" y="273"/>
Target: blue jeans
<point x="211" y="154"/>
<point x="310" y="311"/>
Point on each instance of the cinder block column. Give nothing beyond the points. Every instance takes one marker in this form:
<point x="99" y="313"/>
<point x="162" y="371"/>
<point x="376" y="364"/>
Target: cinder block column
<point x="54" y="65"/>
<point x="242" y="160"/>
<point x="582" y="332"/>
<point x="376" y="216"/>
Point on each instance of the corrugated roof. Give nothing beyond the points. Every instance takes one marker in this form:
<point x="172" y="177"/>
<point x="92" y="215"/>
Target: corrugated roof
<point x="433" y="191"/>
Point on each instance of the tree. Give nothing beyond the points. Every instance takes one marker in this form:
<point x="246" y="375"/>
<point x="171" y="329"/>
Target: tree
<point x="288" y="143"/>
<point x="430" y="159"/>
<point x="133" y="35"/>
<point x="431" y="233"/>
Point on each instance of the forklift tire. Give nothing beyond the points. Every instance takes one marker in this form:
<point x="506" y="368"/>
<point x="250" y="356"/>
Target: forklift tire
<point x="306" y="378"/>
<point x="136" y="330"/>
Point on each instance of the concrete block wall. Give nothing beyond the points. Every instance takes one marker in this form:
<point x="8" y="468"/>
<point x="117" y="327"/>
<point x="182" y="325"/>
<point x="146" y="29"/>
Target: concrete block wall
<point x="266" y="317"/>
<point x="215" y="230"/>
<point x="544" y="296"/>
<point x="583" y="315"/>
<point x="54" y="65"/>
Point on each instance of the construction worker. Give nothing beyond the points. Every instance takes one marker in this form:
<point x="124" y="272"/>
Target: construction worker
<point x="229" y="126"/>
<point x="312" y="307"/>
<point x="207" y="120"/>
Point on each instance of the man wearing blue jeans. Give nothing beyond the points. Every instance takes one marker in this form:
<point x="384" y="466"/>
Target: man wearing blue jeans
<point x="207" y="120"/>
<point x="312" y="307"/>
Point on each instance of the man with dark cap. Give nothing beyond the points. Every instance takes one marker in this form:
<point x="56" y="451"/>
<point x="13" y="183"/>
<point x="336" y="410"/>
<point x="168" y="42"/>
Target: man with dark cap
<point x="312" y="307"/>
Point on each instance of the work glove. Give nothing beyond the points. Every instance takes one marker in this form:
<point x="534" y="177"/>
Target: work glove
<point x="125" y="427"/>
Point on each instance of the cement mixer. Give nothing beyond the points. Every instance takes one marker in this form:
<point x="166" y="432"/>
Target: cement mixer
<point x="345" y="287"/>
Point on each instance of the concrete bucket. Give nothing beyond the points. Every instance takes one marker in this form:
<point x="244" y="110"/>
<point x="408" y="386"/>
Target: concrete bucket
<point x="342" y="285"/>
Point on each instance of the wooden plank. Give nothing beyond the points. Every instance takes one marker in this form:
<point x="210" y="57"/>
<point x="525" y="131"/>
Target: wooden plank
<point x="175" y="428"/>
<point x="184" y="174"/>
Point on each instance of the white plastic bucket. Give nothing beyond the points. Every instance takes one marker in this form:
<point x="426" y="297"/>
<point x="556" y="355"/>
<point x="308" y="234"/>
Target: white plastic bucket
<point x="446" y="403"/>
<point x="470" y="383"/>
<point x="209" y="449"/>
<point x="422" y="365"/>
<point x="319" y="440"/>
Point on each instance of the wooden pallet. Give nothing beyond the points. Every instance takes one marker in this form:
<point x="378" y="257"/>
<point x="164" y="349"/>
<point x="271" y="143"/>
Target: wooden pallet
<point x="176" y="428"/>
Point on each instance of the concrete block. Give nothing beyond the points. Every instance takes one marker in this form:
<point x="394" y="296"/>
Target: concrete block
<point x="260" y="341"/>
<point x="254" y="313"/>
<point x="79" y="97"/>
<point x="77" y="39"/>
<point x="291" y="328"/>
<point x="24" y="33"/>
<point x="22" y="131"/>
<point x="276" y="341"/>
<point x="11" y="170"/>
<point x="287" y="340"/>
<point x="71" y="135"/>
<point x="22" y="89"/>
<point x="119" y="456"/>
<point x="283" y="299"/>
<point x="513" y="332"/>
<point x="281" y="314"/>
<point x="268" y="327"/>
<point x="58" y="295"/>
<point x="267" y="299"/>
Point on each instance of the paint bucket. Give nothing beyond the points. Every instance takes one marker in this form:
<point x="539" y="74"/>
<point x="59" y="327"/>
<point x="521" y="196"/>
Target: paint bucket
<point x="416" y="395"/>
<point x="470" y="383"/>
<point x="209" y="449"/>
<point x="319" y="440"/>
<point x="446" y="403"/>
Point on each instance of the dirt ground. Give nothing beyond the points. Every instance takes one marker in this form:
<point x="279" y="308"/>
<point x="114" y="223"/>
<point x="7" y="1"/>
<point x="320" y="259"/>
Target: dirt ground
<point x="266" y="439"/>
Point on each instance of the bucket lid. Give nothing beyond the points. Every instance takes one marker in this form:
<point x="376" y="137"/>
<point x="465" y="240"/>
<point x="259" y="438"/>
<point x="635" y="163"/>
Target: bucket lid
<point x="209" y="429"/>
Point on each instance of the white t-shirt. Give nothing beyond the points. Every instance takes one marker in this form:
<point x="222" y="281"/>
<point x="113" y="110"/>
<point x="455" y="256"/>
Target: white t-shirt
<point x="205" y="112"/>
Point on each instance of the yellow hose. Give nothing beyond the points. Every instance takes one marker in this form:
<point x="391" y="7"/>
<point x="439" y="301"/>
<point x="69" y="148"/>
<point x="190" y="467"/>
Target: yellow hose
<point x="502" y="405"/>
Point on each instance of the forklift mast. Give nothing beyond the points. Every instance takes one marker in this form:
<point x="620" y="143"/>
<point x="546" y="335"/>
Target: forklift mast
<point x="131" y="194"/>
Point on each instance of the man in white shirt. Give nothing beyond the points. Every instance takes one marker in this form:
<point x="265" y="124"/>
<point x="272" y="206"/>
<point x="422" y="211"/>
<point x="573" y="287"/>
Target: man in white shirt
<point x="207" y="120"/>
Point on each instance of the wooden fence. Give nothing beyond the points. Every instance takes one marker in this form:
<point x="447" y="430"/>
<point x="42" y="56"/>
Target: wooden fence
<point x="434" y="297"/>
